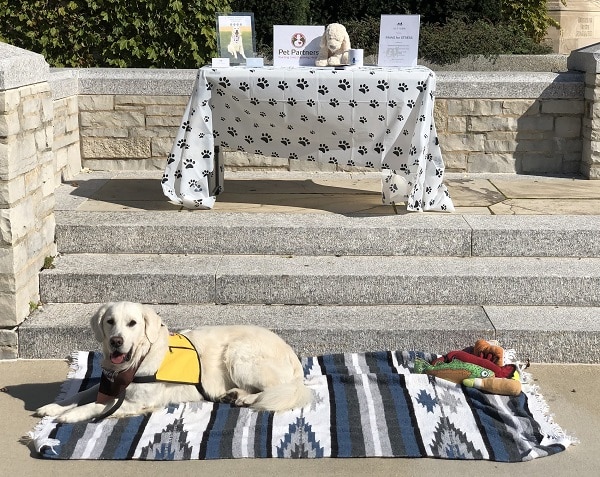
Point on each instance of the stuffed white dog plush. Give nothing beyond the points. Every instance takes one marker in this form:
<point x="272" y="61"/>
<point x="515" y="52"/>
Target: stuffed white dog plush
<point x="335" y="44"/>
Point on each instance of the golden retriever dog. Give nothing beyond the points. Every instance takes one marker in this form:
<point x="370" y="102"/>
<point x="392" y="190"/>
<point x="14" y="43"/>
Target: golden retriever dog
<point x="240" y="364"/>
<point x="236" y="45"/>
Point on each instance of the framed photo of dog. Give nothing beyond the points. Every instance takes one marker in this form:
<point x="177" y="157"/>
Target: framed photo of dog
<point x="235" y="36"/>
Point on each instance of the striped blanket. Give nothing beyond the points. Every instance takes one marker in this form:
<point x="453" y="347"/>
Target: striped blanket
<point x="365" y="405"/>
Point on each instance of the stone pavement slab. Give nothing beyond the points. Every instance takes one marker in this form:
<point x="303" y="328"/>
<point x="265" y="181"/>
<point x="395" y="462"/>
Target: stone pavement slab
<point x="349" y="193"/>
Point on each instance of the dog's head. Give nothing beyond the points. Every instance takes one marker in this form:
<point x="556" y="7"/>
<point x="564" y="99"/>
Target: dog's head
<point x="126" y="330"/>
<point x="335" y="38"/>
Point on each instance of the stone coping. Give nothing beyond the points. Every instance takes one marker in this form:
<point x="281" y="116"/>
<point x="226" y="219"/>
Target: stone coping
<point x="450" y="84"/>
<point x="20" y="67"/>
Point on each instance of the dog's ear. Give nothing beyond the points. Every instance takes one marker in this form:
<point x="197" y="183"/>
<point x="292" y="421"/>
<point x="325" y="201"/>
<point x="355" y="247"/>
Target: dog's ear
<point x="324" y="36"/>
<point x="96" y="322"/>
<point x="346" y="42"/>
<point x="153" y="323"/>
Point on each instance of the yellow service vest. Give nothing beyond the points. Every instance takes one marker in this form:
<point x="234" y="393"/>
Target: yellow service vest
<point x="181" y="363"/>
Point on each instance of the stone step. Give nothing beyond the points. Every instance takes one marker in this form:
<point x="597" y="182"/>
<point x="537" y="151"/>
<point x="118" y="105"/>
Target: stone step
<point x="325" y="280"/>
<point x="540" y="333"/>
<point x="188" y="232"/>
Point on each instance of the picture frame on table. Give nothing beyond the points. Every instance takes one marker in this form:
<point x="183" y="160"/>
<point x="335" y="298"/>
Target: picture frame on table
<point x="235" y="36"/>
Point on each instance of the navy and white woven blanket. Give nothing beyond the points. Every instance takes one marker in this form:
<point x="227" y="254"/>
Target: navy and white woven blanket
<point x="365" y="405"/>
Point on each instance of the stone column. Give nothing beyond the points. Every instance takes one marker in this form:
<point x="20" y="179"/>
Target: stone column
<point x="27" y="185"/>
<point x="579" y="22"/>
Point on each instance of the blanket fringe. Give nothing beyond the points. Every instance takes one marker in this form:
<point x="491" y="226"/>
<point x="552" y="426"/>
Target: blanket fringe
<point x="40" y="433"/>
<point x="552" y="432"/>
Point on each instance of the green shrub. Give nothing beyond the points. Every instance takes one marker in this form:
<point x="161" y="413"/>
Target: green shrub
<point x="84" y="33"/>
<point x="443" y="44"/>
<point x="531" y="16"/>
<point x="457" y="38"/>
<point x="431" y="11"/>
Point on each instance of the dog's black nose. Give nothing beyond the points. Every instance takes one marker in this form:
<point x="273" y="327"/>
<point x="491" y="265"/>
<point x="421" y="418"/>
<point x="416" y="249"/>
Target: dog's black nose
<point x="116" y="341"/>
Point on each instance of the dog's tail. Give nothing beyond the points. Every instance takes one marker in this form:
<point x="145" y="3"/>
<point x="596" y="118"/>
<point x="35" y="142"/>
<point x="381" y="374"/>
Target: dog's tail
<point x="283" y="397"/>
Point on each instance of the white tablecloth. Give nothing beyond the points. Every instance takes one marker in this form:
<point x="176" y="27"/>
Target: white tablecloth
<point x="368" y="116"/>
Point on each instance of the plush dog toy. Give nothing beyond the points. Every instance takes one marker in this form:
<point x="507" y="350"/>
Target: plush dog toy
<point x="481" y="367"/>
<point x="334" y="46"/>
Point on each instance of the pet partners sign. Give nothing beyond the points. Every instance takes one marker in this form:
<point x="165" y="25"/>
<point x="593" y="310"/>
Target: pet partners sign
<point x="296" y="45"/>
<point x="398" y="40"/>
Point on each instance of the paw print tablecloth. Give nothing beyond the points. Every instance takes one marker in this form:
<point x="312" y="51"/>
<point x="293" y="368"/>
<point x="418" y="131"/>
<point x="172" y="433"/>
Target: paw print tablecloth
<point x="368" y="117"/>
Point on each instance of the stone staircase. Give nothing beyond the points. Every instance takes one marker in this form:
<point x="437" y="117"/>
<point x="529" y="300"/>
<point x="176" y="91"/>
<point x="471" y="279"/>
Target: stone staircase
<point x="331" y="283"/>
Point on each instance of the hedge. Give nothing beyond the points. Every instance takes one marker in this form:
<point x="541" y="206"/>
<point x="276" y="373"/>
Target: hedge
<point x="181" y="34"/>
<point x="86" y="33"/>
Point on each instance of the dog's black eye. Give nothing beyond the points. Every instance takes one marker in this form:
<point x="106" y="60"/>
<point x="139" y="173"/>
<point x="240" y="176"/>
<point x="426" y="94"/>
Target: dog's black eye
<point x="132" y="323"/>
<point x="110" y="321"/>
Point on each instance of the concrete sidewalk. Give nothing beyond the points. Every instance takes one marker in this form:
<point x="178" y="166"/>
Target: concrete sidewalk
<point x="570" y="390"/>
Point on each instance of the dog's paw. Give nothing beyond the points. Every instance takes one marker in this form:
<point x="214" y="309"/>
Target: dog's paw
<point x="78" y="414"/>
<point x="51" y="410"/>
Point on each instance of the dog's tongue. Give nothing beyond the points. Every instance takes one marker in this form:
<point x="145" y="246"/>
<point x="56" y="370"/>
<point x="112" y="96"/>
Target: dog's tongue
<point x="117" y="358"/>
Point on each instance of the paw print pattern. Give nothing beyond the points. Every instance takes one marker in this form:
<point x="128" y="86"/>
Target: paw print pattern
<point x="374" y="103"/>
<point x="352" y="103"/>
<point x="412" y="151"/>
<point x="410" y="103"/>
<point x="323" y="90"/>
<point x="323" y="148"/>
<point x="178" y="174"/>
<point x="231" y="131"/>
<point x="244" y="86"/>
<point x="302" y="83"/>
<point x="303" y="141"/>
<point x="397" y="151"/>
<point x="363" y="120"/>
<point x="254" y="101"/>
<point x="363" y="88"/>
<point x="333" y="160"/>
<point x="248" y="139"/>
<point x="334" y="102"/>
<point x="186" y="126"/>
<point x="403" y="87"/>
<point x="224" y="82"/>
<point x="206" y="154"/>
<point x="182" y="144"/>
<point x="321" y="119"/>
<point x="285" y="141"/>
<point x="340" y="118"/>
<point x="165" y="178"/>
<point x="381" y="117"/>
<point x="266" y="137"/>
<point x="262" y="83"/>
<point x="344" y="84"/>
<point x="293" y="156"/>
<point x="350" y="163"/>
<point x="383" y="85"/>
<point x="378" y="148"/>
<point x="171" y="158"/>
<point x="343" y="145"/>
<point x="273" y="102"/>
<point x="304" y="118"/>
<point x="283" y="85"/>
<point x="362" y="150"/>
<point x="310" y="103"/>
<point x="369" y="164"/>
<point x="189" y="163"/>
<point x="421" y="86"/>
<point x="291" y="102"/>
<point x="392" y="103"/>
